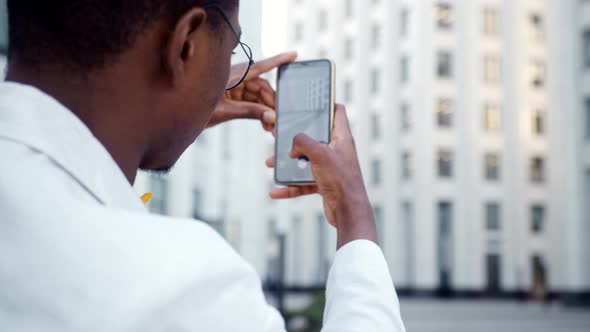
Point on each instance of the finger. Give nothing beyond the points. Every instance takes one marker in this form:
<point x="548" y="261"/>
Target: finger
<point x="263" y="89"/>
<point x="269" y="118"/>
<point x="247" y="110"/>
<point x="305" y="146"/>
<point x="341" y="123"/>
<point x="270" y="162"/>
<point x="251" y="97"/>
<point x="293" y="192"/>
<point x="269" y="64"/>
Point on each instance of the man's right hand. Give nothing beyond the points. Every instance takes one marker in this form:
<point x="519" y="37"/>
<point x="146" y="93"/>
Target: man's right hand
<point x="339" y="181"/>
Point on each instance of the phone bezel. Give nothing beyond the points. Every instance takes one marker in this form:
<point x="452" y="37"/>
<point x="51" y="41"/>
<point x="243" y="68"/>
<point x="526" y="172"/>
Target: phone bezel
<point x="332" y="110"/>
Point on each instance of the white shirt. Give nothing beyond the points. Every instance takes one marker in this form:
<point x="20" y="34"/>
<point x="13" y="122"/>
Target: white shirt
<point x="79" y="251"/>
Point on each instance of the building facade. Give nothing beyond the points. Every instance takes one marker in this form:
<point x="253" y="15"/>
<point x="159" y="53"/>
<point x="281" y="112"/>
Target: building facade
<point x="455" y="106"/>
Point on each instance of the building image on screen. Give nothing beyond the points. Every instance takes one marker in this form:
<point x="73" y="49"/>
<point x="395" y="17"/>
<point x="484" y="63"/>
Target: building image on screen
<point x="304" y="97"/>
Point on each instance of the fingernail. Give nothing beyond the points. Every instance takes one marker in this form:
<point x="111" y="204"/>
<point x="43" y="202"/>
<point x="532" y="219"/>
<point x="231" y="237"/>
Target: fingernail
<point x="268" y="117"/>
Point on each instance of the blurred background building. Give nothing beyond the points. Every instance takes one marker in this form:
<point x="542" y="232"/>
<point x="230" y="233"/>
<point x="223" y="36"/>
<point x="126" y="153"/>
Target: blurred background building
<point x="472" y="120"/>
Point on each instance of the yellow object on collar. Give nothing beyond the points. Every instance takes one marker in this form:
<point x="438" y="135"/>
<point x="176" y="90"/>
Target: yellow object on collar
<point x="147" y="198"/>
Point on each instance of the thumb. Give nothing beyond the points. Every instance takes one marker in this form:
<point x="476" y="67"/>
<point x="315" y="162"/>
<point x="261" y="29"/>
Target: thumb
<point x="305" y="146"/>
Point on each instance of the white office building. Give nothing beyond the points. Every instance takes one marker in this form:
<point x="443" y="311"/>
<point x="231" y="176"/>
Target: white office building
<point x="456" y="111"/>
<point x="569" y="34"/>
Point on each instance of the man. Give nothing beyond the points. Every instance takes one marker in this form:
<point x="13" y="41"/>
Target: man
<point x="100" y="88"/>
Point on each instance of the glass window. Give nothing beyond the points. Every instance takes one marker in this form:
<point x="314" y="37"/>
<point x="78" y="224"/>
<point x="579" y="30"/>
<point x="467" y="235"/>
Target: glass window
<point x="379" y="223"/>
<point x="586" y="48"/>
<point x="404" y="69"/>
<point x="537" y="218"/>
<point x="491" y="69"/>
<point x="404" y="22"/>
<point x="538" y="122"/>
<point x="348" y="91"/>
<point x="159" y="187"/>
<point x="322" y="262"/>
<point x="375" y="81"/>
<point x="348" y="49"/>
<point x="490" y="21"/>
<point x="492" y="119"/>
<point x="375" y="126"/>
<point x="537" y="170"/>
<point x="493" y="216"/>
<point x="405" y="117"/>
<point x="587" y="119"/>
<point x="197" y="204"/>
<point x="298" y="33"/>
<point x="3" y="28"/>
<point x="444" y="113"/>
<point x="348" y="8"/>
<point x="537" y="72"/>
<point x="444" y="16"/>
<point x="406" y="163"/>
<point x="445" y="163"/>
<point x="492" y="166"/>
<point x="536" y="27"/>
<point x="444" y="68"/>
<point x="376" y="167"/>
<point x="375" y="36"/>
<point x="323" y="20"/>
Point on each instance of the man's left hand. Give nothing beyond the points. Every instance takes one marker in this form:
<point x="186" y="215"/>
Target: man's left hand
<point x="254" y="98"/>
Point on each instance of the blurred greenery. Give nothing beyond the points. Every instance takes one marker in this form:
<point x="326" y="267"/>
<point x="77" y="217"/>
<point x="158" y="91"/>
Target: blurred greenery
<point x="313" y="314"/>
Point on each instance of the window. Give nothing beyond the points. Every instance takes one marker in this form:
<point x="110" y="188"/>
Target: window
<point x="375" y="126"/>
<point x="445" y="244"/>
<point x="323" y="20"/>
<point x="444" y="113"/>
<point x="404" y="69"/>
<point x="404" y="22"/>
<point x="378" y="211"/>
<point x="537" y="170"/>
<point x="536" y="28"/>
<point x="375" y="36"/>
<point x="376" y="174"/>
<point x="445" y="164"/>
<point x="3" y="28"/>
<point x="493" y="217"/>
<point x="586" y="48"/>
<point x="349" y="8"/>
<point x="406" y="166"/>
<point x="491" y="69"/>
<point x="375" y="81"/>
<point x="587" y="119"/>
<point x="492" y="119"/>
<point x="409" y="241"/>
<point x="197" y="204"/>
<point x="298" y="33"/>
<point x="348" y="91"/>
<point x="348" y="49"/>
<point x="537" y="72"/>
<point x="444" y="68"/>
<point x="492" y="167"/>
<point x="322" y="262"/>
<point x="159" y="187"/>
<point x="298" y="241"/>
<point x="538" y="122"/>
<point x="405" y="117"/>
<point x="490" y="21"/>
<point x="444" y="16"/>
<point x="537" y="219"/>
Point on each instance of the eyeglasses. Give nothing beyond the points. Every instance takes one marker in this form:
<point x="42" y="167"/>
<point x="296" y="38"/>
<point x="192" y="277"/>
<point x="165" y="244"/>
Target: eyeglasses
<point x="244" y="67"/>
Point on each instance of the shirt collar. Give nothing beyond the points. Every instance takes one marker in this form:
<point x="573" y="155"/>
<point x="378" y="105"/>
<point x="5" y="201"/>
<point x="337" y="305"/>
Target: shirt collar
<point x="33" y="118"/>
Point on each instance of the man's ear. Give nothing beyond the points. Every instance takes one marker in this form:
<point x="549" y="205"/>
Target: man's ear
<point x="182" y="42"/>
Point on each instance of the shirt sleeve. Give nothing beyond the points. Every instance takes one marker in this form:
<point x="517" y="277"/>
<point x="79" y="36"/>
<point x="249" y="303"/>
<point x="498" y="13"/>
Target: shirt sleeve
<point x="360" y="295"/>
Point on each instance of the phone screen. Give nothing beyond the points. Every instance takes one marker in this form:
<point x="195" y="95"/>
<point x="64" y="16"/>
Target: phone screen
<point x="304" y="105"/>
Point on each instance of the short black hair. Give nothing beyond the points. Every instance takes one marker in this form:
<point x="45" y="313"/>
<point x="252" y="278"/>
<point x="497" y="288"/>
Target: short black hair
<point x="86" y="34"/>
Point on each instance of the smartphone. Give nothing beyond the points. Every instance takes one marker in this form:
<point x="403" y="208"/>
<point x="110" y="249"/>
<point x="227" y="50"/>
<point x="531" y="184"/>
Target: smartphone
<point x="305" y="104"/>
